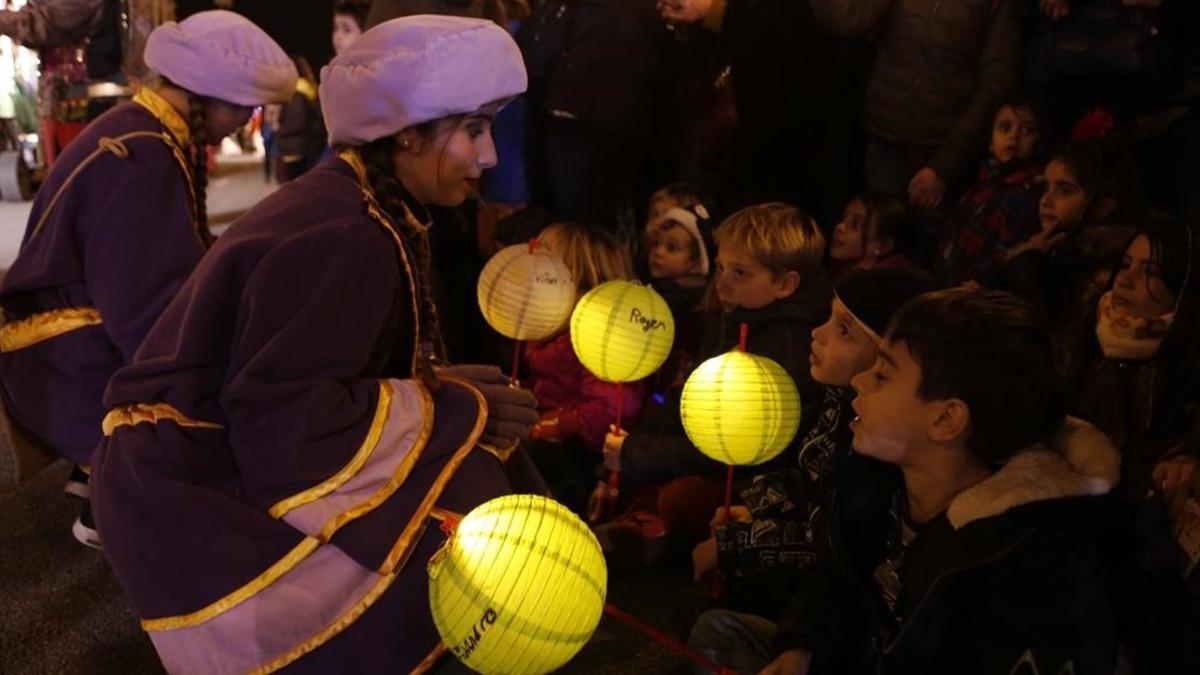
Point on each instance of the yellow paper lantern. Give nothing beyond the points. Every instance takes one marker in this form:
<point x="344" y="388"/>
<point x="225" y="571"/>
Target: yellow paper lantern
<point x="740" y="409"/>
<point x="526" y="293"/>
<point x="622" y="331"/>
<point x="519" y="587"/>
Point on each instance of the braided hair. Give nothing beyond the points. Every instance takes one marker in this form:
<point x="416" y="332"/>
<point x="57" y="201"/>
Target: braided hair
<point x="197" y="110"/>
<point x="379" y="158"/>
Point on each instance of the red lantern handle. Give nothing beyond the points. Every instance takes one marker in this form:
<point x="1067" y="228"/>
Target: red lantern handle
<point x="614" y="477"/>
<point x="516" y="370"/>
<point x="743" y="334"/>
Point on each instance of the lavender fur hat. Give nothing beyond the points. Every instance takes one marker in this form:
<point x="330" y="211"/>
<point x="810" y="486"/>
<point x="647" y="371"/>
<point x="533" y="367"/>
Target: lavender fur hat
<point x="415" y="69"/>
<point x="222" y="55"/>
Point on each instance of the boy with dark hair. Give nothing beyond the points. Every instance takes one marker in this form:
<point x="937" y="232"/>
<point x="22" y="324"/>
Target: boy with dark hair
<point x="994" y="561"/>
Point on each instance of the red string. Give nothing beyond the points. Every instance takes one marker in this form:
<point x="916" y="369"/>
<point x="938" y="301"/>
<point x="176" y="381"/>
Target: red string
<point x="664" y="639"/>
<point x="745" y="333"/>
<point x="728" y="490"/>
<point x="614" y="477"/>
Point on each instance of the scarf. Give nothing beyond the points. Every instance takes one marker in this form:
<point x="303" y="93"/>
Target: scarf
<point x="1129" y="338"/>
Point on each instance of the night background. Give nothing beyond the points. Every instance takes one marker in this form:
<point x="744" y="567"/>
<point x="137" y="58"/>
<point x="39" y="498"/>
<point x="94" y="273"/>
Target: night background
<point x="299" y="26"/>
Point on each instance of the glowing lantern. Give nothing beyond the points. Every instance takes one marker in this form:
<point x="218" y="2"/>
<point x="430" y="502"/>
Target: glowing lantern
<point x="518" y="587"/>
<point x="622" y="331"/>
<point x="740" y="409"/>
<point x="526" y="293"/>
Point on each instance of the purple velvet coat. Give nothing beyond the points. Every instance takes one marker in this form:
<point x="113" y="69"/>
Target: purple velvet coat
<point x="269" y="465"/>
<point x="117" y="245"/>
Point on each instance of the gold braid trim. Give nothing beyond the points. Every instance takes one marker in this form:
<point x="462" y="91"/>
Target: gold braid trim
<point x="273" y="573"/>
<point x="351" y="157"/>
<point x="149" y="413"/>
<point x="45" y="325"/>
<point x="394" y="564"/>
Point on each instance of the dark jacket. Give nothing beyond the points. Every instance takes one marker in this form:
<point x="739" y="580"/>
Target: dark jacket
<point x="1062" y="282"/>
<point x="686" y="304"/>
<point x="998" y="212"/>
<point x="1150" y="409"/>
<point x="593" y="60"/>
<point x="942" y="68"/>
<point x="659" y="450"/>
<point x="759" y="559"/>
<point x="1016" y="576"/>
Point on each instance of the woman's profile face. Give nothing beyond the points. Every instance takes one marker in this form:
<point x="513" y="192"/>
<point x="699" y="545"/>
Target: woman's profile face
<point x="444" y="170"/>
<point x="222" y="118"/>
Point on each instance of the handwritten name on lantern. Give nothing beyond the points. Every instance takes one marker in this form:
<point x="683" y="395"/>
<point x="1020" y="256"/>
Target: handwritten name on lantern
<point x="622" y="331"/>
<point x="463" y="651"/>
<point x="648" y="324"/>
<point x="518" y="587"/>
<point x="526" y="294"/>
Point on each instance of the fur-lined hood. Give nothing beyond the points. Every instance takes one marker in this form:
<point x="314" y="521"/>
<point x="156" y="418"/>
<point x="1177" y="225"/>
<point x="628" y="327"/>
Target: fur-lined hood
<point x="1078" y="461"/>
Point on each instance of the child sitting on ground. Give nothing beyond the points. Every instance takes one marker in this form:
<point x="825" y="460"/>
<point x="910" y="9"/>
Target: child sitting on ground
<point x="763" y="540"/>
<point x="876" y="231"/>
<point x="673" y="196"/>
<point x="995" y="557"/>
<point x="575" y="407"/>
<point x="680" y="262"/>
<point x="769" y="276"/>
<point x="1001" y="209"/>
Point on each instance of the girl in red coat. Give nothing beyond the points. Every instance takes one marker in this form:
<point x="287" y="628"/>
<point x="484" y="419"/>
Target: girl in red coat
<point x="575" y="407"/>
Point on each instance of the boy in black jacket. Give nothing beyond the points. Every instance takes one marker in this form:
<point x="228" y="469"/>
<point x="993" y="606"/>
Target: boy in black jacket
<point x="994" y="560"/>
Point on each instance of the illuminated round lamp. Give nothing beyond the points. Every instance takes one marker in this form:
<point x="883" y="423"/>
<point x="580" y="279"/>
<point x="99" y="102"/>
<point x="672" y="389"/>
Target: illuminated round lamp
<point x="740" y="409"/>
<point x="622" y="331"/>
<point x="518" y="587"/>
<point x="526" y="292"/>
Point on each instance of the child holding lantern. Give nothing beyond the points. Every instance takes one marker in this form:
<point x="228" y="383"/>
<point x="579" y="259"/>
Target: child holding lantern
<point x="575" y="407"/>
<point x="994" y="555"/>
<point x="769" y="277"/>
<point x="763" y="541"/>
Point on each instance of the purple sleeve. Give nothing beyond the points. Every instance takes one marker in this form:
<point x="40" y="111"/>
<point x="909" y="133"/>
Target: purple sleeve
<point x="139" y="250"/>
<point x="310" y="324"/>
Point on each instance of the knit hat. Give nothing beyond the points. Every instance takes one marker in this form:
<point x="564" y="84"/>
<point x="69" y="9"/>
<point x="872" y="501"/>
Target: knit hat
<point x="222" y="55"/>
<point x="872" y="296"/>
<point x="415" y="69"/>
<point x="696" y="222"/>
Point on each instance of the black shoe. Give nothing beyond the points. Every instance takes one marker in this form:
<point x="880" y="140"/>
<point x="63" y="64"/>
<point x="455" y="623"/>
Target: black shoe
<point x="77" y="484"/>
<point x="84" y="528"/>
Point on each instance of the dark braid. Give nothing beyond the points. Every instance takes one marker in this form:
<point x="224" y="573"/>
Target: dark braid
<point x="378" y="157"/>
<point x="199" y="157"/>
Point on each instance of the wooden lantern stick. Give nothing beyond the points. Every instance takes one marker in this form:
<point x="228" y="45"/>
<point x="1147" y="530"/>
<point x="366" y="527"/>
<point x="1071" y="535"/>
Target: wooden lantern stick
<point x="614" y="477"/>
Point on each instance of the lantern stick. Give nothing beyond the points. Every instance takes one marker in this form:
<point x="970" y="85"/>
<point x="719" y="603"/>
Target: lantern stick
<point x="426" y="665"/>
<point x="664" y="639"/>
<point x="614" y="477"/>
<point x="516" y="371"/>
